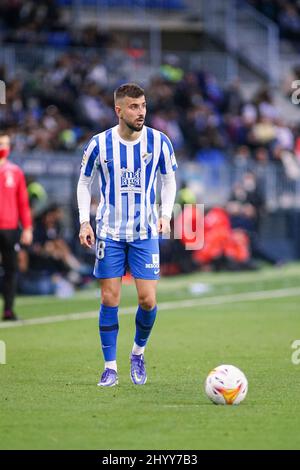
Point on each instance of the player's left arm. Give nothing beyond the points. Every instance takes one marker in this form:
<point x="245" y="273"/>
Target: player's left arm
<point x="168" y="194"/>
<point x="167" y="167"/>
<point x="24" y="211"/>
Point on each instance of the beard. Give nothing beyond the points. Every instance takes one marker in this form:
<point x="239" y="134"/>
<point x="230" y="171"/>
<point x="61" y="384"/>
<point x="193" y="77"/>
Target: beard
<point x="134" y="127"/>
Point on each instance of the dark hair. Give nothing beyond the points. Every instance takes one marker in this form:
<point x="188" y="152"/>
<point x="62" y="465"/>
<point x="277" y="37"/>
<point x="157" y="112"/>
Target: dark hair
<point x="4" y="133"/>
<point x="128" y="89"/>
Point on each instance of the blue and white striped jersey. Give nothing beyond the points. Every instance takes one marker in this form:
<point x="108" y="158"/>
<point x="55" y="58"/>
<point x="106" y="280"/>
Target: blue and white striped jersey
<point x="127" y="175"/>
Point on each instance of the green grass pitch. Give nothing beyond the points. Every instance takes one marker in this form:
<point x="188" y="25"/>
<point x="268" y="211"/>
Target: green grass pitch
<point x="48" y="393"/>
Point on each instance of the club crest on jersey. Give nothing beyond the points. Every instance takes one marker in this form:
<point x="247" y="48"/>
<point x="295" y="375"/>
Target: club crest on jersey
<point x="146" y="157"/>
<point x="130" y="180"/>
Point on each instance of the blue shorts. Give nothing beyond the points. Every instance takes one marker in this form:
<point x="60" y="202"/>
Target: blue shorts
<point x="113" y="257"/>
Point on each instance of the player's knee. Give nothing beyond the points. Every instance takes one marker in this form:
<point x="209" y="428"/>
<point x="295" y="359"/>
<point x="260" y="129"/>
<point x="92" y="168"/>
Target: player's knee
<point x="147" y="302"/>
<point x="110" y="297"/>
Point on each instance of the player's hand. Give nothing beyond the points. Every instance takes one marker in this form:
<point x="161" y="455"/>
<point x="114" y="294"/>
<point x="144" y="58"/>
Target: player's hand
<point x="86" y="235"/>
<point x="26" y="237"/>
<point x="163" y="225"/>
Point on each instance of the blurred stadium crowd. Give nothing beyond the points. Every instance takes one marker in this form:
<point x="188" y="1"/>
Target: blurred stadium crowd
<point x="59" y="105"/>
<point x="285" y="14"/>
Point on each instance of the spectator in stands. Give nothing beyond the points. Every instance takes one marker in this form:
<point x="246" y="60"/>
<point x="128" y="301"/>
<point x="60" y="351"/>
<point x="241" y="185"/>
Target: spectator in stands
<point x="246" y="207"/>
<point x="242" y="161"/>
<point x="224" y="247"/>
<point x="38" y="198"/>
<point x="49" y="242"/>
<point x="289" y="22"/>
<point x="289" y="166"/>
<point x="263" y="132"/>
<point x="233" y="98"/>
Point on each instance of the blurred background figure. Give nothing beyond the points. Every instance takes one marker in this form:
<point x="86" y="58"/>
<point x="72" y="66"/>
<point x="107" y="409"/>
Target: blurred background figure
<point x="49" y="266"/>
<point x="38" y="198"/>
<point x="14" y="208"/>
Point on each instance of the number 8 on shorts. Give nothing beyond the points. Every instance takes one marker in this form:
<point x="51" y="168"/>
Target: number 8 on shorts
<point x="100" y="249"/>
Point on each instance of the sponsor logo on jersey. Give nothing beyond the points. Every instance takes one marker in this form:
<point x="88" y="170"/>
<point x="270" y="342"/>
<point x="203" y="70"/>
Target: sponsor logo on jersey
<point x="154" y="264"/>
<point x="130" y="180"/>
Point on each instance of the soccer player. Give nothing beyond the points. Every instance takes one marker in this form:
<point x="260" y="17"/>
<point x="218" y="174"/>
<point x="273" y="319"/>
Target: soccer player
<point x="14" y="208"/>
<point x="126" y="159"/>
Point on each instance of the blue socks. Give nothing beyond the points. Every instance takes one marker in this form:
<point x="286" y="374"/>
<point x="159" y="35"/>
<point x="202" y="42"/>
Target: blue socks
<point x="144" y="322"/>
<point x="108" y="329"/>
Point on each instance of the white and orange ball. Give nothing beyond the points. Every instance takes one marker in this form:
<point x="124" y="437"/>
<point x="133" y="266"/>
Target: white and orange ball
<point x="226" y="385"/>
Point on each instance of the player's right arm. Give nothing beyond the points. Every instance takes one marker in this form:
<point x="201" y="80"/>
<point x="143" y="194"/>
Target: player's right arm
<point x="84" y="188"/>
<point x="86" y="235"/>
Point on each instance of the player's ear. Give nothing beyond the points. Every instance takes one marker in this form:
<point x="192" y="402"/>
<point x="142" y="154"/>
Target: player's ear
<point x="118" y="110"/>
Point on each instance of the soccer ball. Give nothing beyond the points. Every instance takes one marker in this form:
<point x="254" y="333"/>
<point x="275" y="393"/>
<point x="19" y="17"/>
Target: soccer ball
<point x="226" y="385"/>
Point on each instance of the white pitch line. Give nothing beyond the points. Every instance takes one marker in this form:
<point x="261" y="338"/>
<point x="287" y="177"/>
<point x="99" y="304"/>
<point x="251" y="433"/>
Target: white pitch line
<point x="166" y="284"/>
<point x="220" y="299"/>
